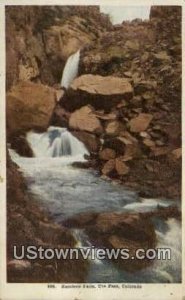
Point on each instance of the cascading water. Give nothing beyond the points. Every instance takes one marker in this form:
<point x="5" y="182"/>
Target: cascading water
<point x="70" y="70"/>
<point x="66" y="191"/>
<point x="56" y="142"/>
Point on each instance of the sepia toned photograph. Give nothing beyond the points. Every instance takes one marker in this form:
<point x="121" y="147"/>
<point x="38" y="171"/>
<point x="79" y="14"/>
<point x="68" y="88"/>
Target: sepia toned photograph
<point x="93" y="145"/>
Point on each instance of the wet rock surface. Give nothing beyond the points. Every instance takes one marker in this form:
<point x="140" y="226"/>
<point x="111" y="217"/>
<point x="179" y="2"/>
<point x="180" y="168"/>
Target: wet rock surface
<point x="125" y="106"/>
<point x="28" y="224"/>
<point x="115" y="230"/>
<point x="29" y="106"/>
<point x="128" y="96"/>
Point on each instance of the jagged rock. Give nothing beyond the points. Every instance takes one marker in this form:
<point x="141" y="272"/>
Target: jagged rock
<point x="91" y="142"/>
<point x="56" y="234"/>
<point x="149" y="97"/>
<point x="144" y="134"/>
<point x="140" y="123"/>
<point x="108" y="167"/>
<point x="136" y="101"/>
<point x="40" y="39"/>
<point x="21" y="145"/>
<point x="118" y="230"/>
<point x="59" y="94"/>
<point x="98" y="91"/>
<point x="159" y="151"/>
<point x="29" y="106"/>
<point x="107" y="154"/>
<point x="148" y="142"/>
<point x="144" y="86"/>
<point x="159" y="143"/>
<point x="121" y="167"/>
<point x="105" y="222"/>
<point x="127" y="138"/>
<point x="131" y="151"/>
<point x="60" y="117"/>
<point x="177" y="153"/>
<point x="133" y="45"/>
<point x="106" y="117"/>
<point x="149" y="167"/>
<point x="128" y="74"/>
<point x="55" y="36"/>
<point x="113" y="128"/>
<point x="29" y="70"/>
<point x="145" y="57"/>
<point x="81" y="220"/>
<point x="162" y="57"/>
<point x="85" y="119"/>
<point x="116" y="144"/>
<point x="159" y="12"/>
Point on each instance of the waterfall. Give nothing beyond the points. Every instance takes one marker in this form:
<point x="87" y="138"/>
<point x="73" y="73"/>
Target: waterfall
<point x="70" y="70"/>
<point x="56" y="142"/>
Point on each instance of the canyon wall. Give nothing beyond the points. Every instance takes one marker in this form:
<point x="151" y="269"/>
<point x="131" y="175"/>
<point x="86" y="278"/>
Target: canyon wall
<point x="125" y="106"/>
<point x="40" y="39"/>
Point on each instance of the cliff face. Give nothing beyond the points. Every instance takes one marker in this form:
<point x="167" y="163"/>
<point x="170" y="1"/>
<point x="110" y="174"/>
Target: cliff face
<point x="130" y="121"/>
<point x="143" y="129"/>
<point x="40" y="39"/>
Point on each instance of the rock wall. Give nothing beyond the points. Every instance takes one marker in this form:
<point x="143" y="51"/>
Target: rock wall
<point x="135" y="127"/>
<point x="140" y="134"/>
<point x="40" y="39"/>
<point x="130" y="121"/>
<point x="38" y="43"/>
<point x="28" y="224"/>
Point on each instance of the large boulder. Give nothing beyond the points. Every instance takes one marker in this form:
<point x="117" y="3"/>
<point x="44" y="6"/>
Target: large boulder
<point x="121" y="167"/>
<point x="118" y="231"/>
<point x="85" y="119"/>
<point x="101" y="92"/>
<point x="63" y="40"/>
<point x="60" y="117"/>
<point x="116" y="144"/>
<point x="140" y="123"/>
<point x="29" y="106"/>
<point x="109" y="167"/>
<point x="115" y="167"/>
<point x="107" y="154"/>
<point x="91" y="141"/>
<point x="113" y="128"/>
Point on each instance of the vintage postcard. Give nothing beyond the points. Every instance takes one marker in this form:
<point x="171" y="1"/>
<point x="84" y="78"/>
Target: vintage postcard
<point x="91" y="167"/>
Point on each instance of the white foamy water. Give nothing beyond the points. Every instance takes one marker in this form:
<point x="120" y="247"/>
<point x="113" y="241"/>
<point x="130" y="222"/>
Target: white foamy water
<point x="56" y="142"/>
<point x="65" y="191"/>
<point x="70" y="70"/>
<point x="161" y="271"/>
<point x="145" y="205"/>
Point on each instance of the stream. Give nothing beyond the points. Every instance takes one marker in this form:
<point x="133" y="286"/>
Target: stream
<point x="65" y="191"/>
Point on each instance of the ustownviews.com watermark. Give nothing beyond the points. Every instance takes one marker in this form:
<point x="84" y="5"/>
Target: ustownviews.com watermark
<point x="33" y="253"/>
